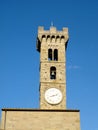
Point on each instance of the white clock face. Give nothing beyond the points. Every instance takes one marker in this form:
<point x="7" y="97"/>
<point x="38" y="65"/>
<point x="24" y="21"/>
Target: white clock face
<point x="53" y="96"/>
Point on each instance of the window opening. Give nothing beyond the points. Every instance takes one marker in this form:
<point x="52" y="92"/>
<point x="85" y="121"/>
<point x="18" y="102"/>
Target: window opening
<point x="49" y="54"/>
<point x="53" y="72"/>
<point x="56" y="55"/>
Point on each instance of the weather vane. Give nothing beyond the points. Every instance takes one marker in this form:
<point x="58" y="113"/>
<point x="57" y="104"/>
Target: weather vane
<point x="52" y="24"/>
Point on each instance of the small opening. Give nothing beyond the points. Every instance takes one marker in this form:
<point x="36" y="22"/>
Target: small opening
<point x="62" y="38"/>
<point x="53" y="72"/>
<point x="57" y="38"/>
<point x="56" y="55"/>
<point x="49" y="54"/>
<point x="53" y="38"/>
<point x="48" y="37"/>
<point x="43" y="38"/>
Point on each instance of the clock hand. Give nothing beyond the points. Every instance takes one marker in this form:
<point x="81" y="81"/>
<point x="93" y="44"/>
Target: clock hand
<point x="53" y="95"/>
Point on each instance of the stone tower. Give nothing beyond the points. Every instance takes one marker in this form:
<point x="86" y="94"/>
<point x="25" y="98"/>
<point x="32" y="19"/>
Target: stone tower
<point x="52" y="114"/>
<point x="52" y="47"/>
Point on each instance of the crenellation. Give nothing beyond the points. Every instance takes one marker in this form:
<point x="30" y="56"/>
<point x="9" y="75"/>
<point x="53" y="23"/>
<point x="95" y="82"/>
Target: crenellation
<point x="48" y="34"/>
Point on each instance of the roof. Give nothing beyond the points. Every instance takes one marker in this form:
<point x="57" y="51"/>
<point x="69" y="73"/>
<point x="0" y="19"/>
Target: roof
<point x="40" y="110"/>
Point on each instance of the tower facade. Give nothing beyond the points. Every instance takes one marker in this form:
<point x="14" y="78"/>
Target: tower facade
<point x="52" y="47"/>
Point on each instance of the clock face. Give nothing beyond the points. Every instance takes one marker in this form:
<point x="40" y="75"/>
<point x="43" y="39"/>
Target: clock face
<point x="53" y="96"/>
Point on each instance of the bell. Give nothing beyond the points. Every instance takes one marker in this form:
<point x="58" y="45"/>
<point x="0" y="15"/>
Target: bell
<point x="52" y="73"/>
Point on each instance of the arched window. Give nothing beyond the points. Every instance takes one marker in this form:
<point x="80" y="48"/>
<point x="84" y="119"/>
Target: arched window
<point x="53" y="72"/>
<point x="55" y="54"/>
<point x="49" y="54"/>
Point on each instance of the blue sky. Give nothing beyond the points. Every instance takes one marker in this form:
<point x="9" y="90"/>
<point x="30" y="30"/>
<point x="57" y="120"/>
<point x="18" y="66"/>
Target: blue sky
<point x="19" y="60"/>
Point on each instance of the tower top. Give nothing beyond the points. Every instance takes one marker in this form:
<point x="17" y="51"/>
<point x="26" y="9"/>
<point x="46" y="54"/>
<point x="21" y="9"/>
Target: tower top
<point x="52" y="32"/>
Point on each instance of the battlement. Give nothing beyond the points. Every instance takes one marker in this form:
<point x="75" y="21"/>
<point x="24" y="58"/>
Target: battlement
<point x="52" y="36"/>
<point x="52" y="32"/>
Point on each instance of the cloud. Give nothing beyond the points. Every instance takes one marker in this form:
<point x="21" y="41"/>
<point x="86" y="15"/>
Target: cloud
<point x="73" y="67"/>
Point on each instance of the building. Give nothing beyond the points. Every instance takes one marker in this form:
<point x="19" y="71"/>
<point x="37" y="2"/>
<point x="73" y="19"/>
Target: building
<point x="53" y="113"/>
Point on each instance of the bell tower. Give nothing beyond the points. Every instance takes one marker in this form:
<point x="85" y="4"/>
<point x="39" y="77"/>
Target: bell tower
<point x="52" y="46"/>
<point x="52" y="114"/>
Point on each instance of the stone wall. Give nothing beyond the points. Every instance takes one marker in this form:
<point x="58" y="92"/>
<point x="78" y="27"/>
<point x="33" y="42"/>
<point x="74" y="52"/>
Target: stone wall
<point x="29" y="119"/>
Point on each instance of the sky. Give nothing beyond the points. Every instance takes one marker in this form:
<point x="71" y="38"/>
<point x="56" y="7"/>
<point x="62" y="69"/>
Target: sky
<point x="19" y="60"/>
